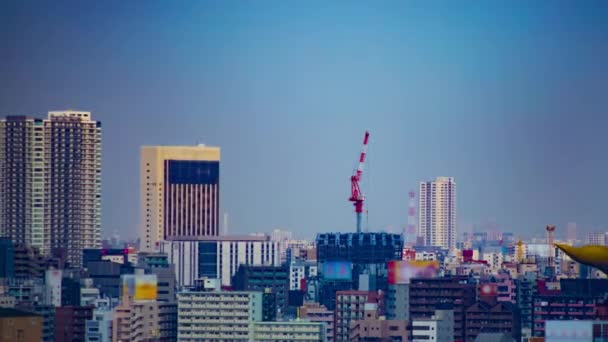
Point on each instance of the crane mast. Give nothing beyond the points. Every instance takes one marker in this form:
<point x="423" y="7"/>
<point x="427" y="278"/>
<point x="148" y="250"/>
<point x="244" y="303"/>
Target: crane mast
<point x="357" y="196"/>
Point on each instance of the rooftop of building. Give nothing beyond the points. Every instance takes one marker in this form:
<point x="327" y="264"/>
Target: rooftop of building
<point x="235" y="238"/>
<point x="8" y="312"/>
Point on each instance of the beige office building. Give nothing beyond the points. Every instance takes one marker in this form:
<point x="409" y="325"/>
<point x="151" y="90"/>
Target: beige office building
<point x="180" y="193"/>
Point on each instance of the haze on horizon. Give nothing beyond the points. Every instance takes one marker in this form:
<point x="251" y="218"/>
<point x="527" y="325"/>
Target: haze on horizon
<point x="508" y="98"/>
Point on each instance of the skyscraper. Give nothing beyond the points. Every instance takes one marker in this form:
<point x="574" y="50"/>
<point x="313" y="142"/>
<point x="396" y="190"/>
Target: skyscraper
<point x="437" y="212"/>
<point x="180" y="193"/>
<point x="50" y="182"/>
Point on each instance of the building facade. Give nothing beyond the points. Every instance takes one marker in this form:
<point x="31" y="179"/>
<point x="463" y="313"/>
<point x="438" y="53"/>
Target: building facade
<point x="217" y="316"/>
<point x="180" y="193"/>
<point x="373" y="327"/>
<point x="260" y="278"/>
<point x="437" y="212"/>
<point x="70" y="322"/>
<point x="426" y="294"/>
<point x="218" y="257"/>
<point x="50" y="182"/>
<point x="500" y="317"/>
<point x="16" y="325"/>
<point x="136" y="321"/>
<point x="316" y="312"/>
<point x="439" y="327"/>
<point x="289" y="331"/>
<point x="350" y="306"/>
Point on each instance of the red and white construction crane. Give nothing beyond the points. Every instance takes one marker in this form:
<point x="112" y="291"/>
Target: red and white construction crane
<point x="356" y="195"/>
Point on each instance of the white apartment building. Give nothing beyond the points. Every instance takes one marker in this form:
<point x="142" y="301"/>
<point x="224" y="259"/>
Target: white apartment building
<point x="217" y="316"/>
<point x="437" y="212"/>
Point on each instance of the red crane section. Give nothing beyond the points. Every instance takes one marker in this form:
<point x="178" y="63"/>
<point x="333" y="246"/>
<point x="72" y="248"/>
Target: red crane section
<point x="356" y="196"/>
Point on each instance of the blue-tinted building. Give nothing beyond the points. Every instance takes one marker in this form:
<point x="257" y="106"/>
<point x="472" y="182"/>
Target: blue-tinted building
<point x="7" y="258"/>
<point x="364" y="253"/>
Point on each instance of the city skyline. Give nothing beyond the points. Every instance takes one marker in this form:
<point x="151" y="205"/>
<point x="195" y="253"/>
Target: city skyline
<point x="511" y="96"/>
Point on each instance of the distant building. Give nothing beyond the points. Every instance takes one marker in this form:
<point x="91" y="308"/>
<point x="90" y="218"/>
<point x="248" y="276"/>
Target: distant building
<point x="16" y="325"/>
<point x="7" y="258"/>
<point x="259" y="278"/>
<point x="315" y="312"/>
<point x="218" y="257"/>
<point x="596" y="238"/>
<point x="220" y="315"/>
<point x="438" y="327"/>
<point x="50" y="172"/>
<point x="428" y="293"/>
<point x="136" y="320"/>
<point x="498" y="317"/>
<point x="350" y="306"/>
<point x="288" y="331"/>
<point x="576" y="299"/>
<point x="180" y="193"/>
<point x="344" y="257"/>
<point x="373" y="327"/>
<point x="575" y="330"/>
<point x="70" y="322"/>
<point x="437" y="212"/>
<point x="299" y="271"/>
<point x="397" y="302"/>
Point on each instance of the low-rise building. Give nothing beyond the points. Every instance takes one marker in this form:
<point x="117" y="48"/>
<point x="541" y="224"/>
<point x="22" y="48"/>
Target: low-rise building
<point x="316" y="312"/>
<point x="374" y="327"/>
<point x="439" y="327"/>
<point x="304" y="331"/>
<point x="17" y="325"/>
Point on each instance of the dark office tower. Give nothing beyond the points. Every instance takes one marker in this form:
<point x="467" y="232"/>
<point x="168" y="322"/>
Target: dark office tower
<point x="180" y="193"/>
<point x="50" y="182"/>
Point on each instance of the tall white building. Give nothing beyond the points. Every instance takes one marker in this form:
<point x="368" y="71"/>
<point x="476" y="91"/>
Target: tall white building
<point x="437" y="212"/>
<point x="218" y="257"/>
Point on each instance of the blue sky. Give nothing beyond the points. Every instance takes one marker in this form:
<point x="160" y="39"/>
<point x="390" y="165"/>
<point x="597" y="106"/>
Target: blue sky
<point x="507" y="97"/>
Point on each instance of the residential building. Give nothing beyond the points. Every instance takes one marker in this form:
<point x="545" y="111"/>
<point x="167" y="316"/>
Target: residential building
<point x="70" y="322"/>
<point x="218" y="257"/>
<point x="397" y="302"/>
<point x="438" y="327"/>
<point x="316" y="312"/>
<point x="575" y="299"/>
<point x="136" y="321"/>
<point x="260" y="278"/>
<point x="180" y="193"/>
<point x="217" y="315"/>
<point x="99" y="328"/>
<point x="350" y="306"/>
<point x="51" y="182"/>
<point x="167" y="320"/>
<point x="526" y="291"/>
<point x="19" y="326"/>
<point x="497" y="317"/>
<point x="373" y="327"/>
<point x="289" y="331"/>
<point x="437" y="212"/>
<point x="427" y="293"/>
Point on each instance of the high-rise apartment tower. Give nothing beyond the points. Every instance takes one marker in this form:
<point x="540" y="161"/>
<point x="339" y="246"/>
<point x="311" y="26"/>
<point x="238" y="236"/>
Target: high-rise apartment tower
<point x="180" y="193"/>
<point x="437" y="212"/>
<point x="50" y="182"/>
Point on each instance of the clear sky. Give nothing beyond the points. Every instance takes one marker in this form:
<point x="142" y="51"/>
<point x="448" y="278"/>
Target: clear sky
<point x="508" y="97"/>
